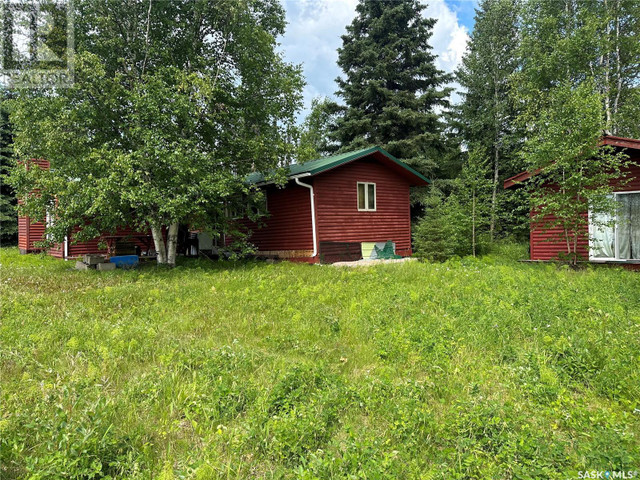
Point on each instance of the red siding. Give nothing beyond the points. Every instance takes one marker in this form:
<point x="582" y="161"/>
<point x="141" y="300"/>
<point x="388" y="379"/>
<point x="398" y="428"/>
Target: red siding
<point x="338" y="218"/>
<point x="288" y="226"/>
<point x="548" y="244"/>
<point x="29" y="233"/>
<point x="92" y="246"/>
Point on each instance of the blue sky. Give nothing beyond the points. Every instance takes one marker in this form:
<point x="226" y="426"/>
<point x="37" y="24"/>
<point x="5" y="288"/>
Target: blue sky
<point x="315" y="26"/>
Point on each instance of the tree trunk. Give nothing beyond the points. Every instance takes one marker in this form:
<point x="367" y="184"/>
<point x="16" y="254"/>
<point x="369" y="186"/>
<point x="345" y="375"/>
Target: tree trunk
<point x="607" y="80"/>
<point x="494" y="194"/>
<point x="158" y="241"/>
<point x="618" y="71"/>
<point x="496" y="160"/>
<point x="473" y="222"/>
<point x="172" y="244"/>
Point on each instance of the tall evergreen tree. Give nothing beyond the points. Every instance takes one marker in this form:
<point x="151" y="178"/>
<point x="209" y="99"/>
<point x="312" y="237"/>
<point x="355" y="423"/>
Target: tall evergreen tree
<point x="486" y="116"/>
<point x="391" y="87"/>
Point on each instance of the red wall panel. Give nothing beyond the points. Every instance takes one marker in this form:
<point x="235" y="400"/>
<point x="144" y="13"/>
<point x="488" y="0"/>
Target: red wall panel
<point x="338" y="218"/>
<point x="288" y="226"/>
<point x="29" y="233"/>
<point x="548" y="244"/>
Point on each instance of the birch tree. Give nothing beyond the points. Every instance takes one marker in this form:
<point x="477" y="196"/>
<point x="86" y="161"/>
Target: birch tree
<point x="570" y="40"/>
<point x="173" y="104"/>
<point x="573" y="172"/>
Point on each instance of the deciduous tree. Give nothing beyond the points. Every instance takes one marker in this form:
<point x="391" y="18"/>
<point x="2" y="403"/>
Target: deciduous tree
<point x="173" y="104"/>
<point x="572" y="171"/>
<point x="486" y="116"/>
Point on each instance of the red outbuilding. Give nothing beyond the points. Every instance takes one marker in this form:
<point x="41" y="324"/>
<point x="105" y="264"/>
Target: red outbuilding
<point x="334" y="208"/>
<point x="618" y="243"/>
<point x="338" y="208"/>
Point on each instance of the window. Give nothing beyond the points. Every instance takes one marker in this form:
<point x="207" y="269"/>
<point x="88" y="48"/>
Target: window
<point x="366" y="197"/>
<point x="235" y="211"/>
<point x="259" y="207"/>
<point x="240" y="208"/>
<point x="616" y="237"/>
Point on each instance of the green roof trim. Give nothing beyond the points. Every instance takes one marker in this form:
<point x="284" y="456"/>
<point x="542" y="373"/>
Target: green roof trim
<point x="320" y="165"/>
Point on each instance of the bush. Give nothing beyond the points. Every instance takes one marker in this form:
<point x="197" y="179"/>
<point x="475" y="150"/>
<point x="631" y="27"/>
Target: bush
<point x="446" y="231"/>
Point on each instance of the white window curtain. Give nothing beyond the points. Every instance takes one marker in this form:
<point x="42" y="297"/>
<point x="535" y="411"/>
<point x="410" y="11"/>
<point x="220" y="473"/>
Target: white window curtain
<point x="602" y="232"/>
<point x="628" y="226"/>
<point x="619" y="239"/>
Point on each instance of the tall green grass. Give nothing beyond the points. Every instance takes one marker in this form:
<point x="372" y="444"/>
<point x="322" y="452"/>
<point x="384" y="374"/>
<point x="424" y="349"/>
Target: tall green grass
<point x="475" y="368"/>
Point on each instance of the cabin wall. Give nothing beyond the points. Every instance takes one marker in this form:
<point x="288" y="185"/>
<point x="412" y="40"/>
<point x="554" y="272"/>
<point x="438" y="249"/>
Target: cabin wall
<point x="549" y="244"/>
<point x="338" y="218"/>
<point x="30" y="233"/>
<point x="287" y="231"/>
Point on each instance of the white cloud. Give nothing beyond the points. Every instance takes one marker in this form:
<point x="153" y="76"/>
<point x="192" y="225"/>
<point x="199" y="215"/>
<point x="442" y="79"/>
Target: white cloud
<point x="313" y="38"/>
<point x="449" y="40"/>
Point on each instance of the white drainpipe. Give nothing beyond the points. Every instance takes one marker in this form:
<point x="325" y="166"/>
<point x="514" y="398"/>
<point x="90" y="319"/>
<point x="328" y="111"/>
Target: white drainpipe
<point x="313" y="215"/>
<point x="66" y="247"/>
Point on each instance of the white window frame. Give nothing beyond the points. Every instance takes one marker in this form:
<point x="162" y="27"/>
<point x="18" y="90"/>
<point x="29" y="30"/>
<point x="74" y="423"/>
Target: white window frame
<point x="616" y="258"/>
<point x="366" y="197"/>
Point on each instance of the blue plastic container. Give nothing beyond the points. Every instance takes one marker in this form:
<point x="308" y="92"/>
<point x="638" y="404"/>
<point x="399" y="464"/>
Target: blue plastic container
<point x="125" y="261"/>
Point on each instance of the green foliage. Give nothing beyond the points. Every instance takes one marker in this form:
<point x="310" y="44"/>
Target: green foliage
<point x="565" y="42"/>
<point x="316" y="135"/>
<point x="391" y="85"/>
<point x="8" y="213"/>
<point x="458" y="224"/>
<point x="472" y="368"/>
<point x="575" y="172"/>
<point x="156" y="132"/>
<point x="486" y="117"/>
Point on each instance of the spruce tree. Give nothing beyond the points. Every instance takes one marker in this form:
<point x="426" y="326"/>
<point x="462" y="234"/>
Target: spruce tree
<point x="391" y="87"/>
<point x="486" y="116"/>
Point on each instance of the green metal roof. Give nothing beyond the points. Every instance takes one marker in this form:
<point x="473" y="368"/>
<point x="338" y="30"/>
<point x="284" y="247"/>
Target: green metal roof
<point x="320" y="165"/>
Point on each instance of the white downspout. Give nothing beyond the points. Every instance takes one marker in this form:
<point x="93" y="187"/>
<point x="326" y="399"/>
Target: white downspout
<point x="66" y="247"/>
<point x="313" y="215"/>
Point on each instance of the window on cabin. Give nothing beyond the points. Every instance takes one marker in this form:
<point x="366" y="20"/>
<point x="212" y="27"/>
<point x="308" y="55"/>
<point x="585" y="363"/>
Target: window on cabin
<point x="616" y="237"/>
<point x="241" y="208"/>
<point x="235" y="211"/>
<point x="259" y="207"/>
<point x="366" y="197"/>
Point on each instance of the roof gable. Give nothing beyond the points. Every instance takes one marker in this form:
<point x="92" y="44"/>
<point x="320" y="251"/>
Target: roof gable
<point x="620" y="142"/>
<point x="320" y="165"/>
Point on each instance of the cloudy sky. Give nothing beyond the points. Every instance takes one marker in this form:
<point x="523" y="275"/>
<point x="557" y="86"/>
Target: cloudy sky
<point x="315" y="26"/>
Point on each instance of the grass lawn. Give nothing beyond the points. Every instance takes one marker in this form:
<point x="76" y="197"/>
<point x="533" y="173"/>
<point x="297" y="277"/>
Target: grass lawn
<point x="482" y="368"/>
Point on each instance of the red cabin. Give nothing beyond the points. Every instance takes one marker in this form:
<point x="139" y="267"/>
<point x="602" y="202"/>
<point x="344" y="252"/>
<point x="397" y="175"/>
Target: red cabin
<point x="29" y="234"/>
<point x="330" y="209"/>
<point x="619" y="243"/>
<point x="338" y="208"/>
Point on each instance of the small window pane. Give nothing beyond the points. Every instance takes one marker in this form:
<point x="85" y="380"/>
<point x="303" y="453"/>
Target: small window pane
<point x="372" y="197"/>
<point x="361" y="204"/>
